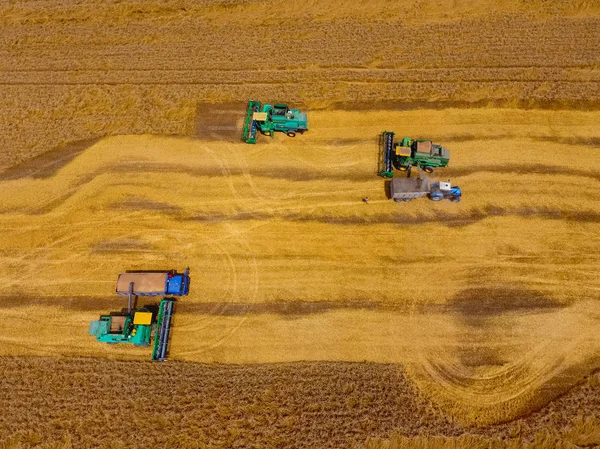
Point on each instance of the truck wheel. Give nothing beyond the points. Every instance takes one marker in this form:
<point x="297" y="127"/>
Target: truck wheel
<point x="291" y="134"/>
<point x="428" y="169"/>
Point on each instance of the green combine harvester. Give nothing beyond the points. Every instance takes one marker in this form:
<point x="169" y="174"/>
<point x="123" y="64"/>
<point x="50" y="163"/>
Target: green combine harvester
<point x="138" y="326"/>
<point x="409" y="153"/>
<point x="268" y="119"/>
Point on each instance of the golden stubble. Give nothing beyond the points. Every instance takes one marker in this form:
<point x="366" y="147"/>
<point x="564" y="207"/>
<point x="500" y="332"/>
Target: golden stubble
<point x="485" y="302"/>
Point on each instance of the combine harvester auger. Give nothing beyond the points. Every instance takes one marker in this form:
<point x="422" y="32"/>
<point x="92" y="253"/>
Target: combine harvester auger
<point x="268" y="119"/>
<point x="136" y="326"/>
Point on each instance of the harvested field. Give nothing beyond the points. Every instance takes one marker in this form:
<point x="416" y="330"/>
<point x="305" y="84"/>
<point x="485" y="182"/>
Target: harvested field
<point x="288" y="263"/>
<point x="314" y="319"/>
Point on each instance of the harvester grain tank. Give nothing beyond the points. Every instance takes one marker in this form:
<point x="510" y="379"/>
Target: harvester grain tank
<point x="407" y="189"/>
<point x="268" y="119"/>
<point x="409" y="153"/>
<point x="138" y="326"/>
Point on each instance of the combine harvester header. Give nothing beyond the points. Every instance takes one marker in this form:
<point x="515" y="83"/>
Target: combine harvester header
<point x="136" y="326"/>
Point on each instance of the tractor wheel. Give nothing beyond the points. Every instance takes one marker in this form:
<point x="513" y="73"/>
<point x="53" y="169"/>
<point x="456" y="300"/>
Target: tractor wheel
<point x="435" y="198"/>
<point x="266" y="133"/>
<point x="455" y="199"/>
<point x="402" y="168"/>
<point x="291" y="134"/>
<point x="428" y="169"/>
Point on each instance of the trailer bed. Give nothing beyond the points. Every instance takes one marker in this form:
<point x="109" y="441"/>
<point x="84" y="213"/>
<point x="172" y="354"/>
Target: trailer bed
<point x="153" y="283"/>
<point x="406" y="189"/>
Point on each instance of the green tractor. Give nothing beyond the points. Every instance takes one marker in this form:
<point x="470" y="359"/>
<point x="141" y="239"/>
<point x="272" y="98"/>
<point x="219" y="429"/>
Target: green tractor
<point x="268" y="119"/>
<point x="410" y="153"/>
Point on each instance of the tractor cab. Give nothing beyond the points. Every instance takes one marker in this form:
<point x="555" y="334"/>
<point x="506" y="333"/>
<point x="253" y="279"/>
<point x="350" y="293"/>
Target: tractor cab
<point x="445" y="186"/>
<point x="118" y="323"/>
<point x="456" y="193"/>
<point x="403" y="151"/>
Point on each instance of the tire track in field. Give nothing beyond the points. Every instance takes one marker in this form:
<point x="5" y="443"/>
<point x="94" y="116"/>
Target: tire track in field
<point x="250" y="295"/>
<point x="436" y="363"/>
<point x="523" y="358"/>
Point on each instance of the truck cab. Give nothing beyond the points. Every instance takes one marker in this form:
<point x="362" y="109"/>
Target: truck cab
<point x="444" y="190"/>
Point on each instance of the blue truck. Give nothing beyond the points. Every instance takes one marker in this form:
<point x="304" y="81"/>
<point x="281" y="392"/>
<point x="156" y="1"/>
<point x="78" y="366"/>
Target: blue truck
<point x="407" y="189"/>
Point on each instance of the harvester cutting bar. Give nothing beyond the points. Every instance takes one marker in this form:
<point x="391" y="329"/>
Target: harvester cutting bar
<point x="387" y="146"/>
<point x="249" y="133"/>
<point x="163" y="329"/>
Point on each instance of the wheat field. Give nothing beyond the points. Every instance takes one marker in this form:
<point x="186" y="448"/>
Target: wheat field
<point x="314" y="319"/>
<point x="75" y="71"/>
<point x="288" y="264"/>
<point x="295" y="405"/>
